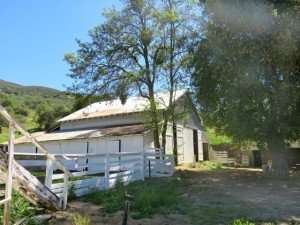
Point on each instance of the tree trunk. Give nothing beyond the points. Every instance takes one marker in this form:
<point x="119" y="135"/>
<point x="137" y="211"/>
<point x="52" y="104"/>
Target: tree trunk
<point x="279" y="166"/>
<point x="279" y="163"/>
<point x="175" y="149"/>
<point x="164" y="134"/>
<point x="154" y="119"/>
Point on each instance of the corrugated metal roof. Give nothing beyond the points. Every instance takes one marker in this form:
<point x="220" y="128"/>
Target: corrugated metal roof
<point x="110" y="108"/>
<point x="90" y="133"/>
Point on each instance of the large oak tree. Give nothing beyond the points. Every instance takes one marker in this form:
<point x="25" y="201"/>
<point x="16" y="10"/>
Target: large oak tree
<point x="247" y="73"/>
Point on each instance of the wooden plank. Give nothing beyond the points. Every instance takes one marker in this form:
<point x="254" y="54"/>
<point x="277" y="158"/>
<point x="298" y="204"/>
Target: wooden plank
<point x="106" y="173"/>
<point x="83" y="183"/>
<point x="49" y="173"/>
<point x="124" y="167"/>
<point x="125" y="173"/>
<point x="3" y="201"/>
<point x="65" y="191"/>
<point x="9" y="172"/>
<point x="29" y="156"/>
<point x="30" y="187"/>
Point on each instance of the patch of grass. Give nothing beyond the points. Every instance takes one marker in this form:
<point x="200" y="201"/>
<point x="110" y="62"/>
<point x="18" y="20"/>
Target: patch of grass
<point x="31" y="221"/>
<point x="209" y="215"/>
<point x="207" y="165"/>
<point x="72" y="193"/>
<point x="150" y="197"/>
<point x="241" y="222"/>
<point x="20" y="208"/>
<point x="82" y="219"/>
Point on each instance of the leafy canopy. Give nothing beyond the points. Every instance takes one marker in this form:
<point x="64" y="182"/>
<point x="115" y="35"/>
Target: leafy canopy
<point x="246" y="70"/>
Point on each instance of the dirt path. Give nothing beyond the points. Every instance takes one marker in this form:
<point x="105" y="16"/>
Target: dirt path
<point x="94" y="211"/>
<point x="215" y="197"/>
<point x="229" y="194"/>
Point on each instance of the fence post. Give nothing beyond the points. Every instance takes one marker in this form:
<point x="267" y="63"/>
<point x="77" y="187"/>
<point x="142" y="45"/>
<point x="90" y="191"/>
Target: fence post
<point x="65" y="190"/>
<point x="143" y="166"/>
<point x="49" y="173"/>
<point x="8" y="186"/>
<point x="106" y="173"/>
<point x="161" y="155"/>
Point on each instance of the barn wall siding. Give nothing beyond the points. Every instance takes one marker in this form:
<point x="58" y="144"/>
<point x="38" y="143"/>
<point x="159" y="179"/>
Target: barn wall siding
<point x="130" y="143"/>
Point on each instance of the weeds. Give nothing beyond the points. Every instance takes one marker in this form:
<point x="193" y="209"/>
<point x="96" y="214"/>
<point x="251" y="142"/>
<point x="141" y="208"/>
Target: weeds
<point x="241" y="222"/>
<point x="72" y="193"/>
<point x="206" y="165"/>
<point x="82" y="219"/>
<point x="150" y="197"/>
<point x="20" y="208"/>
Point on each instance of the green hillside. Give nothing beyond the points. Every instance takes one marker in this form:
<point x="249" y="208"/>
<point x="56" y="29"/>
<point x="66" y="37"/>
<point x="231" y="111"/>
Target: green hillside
<point x="33" y="106"/>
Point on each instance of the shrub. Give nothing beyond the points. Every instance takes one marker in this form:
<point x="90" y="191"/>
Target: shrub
<point x="241" y="222"/>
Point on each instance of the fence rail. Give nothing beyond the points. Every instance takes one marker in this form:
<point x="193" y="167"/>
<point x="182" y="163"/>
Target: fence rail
<point x="222" y="157"/>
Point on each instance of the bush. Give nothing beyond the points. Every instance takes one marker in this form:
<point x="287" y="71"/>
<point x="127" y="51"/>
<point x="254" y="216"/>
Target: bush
<point x="241" y="222"/>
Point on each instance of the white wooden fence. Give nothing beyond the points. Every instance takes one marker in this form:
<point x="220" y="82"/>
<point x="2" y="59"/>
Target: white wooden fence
<point x="96" y="171"/>
<point x="101" y="171"/>
<point x="158" y="164"/>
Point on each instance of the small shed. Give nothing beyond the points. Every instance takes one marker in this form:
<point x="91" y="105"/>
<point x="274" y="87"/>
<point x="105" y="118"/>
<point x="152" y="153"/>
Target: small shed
<point x="111" y="127"/>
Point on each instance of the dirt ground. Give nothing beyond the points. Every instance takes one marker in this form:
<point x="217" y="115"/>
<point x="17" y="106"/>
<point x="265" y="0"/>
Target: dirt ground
<point x="216" y="197"/>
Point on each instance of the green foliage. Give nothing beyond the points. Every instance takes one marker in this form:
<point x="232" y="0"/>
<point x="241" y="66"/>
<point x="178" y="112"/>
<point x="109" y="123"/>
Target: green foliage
<point x="216" y="139"/>
<point x="138" y="49"/>
<point x="207" y="165"/>
<point x="82" y="100"/>
<point x="32" y="221"/>
<point x="47" y="116"/>
<point x="20" y="208"/>
<point x="82" y="220"/>
<point x="71" y="193"/>
<point x="34" y="107"/>
<point x="150" y="197"/>
<point x="246" y="71"/>
<point x="241" y="222"/>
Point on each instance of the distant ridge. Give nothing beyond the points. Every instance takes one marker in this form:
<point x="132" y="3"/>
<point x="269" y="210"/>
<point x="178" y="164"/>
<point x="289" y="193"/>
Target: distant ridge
<point x="4" y="84"/>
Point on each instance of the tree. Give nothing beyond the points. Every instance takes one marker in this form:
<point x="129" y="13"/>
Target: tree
<point x="142" y="49"/>
<point x="246" y="73"/>
<point x="83" y="100"/>
<point x="47" y="116"/>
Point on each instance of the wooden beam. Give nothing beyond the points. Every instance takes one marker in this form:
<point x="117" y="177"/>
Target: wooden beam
<point x="29" y="186"/>
<point x="9" y="172"/>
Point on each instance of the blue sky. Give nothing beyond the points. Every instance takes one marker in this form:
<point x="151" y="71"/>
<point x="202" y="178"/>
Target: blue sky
<point x="35" y="35"/>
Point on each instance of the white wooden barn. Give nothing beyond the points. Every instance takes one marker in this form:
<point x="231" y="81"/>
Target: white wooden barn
<point x="111" y="127"/>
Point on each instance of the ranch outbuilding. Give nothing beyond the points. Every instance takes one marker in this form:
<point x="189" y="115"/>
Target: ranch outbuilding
<point x="113" y="127"/>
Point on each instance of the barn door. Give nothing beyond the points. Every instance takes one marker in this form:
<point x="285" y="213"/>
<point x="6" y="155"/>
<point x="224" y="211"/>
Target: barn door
<point x="196" y="149"/>
<point x="188" y="145"/>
